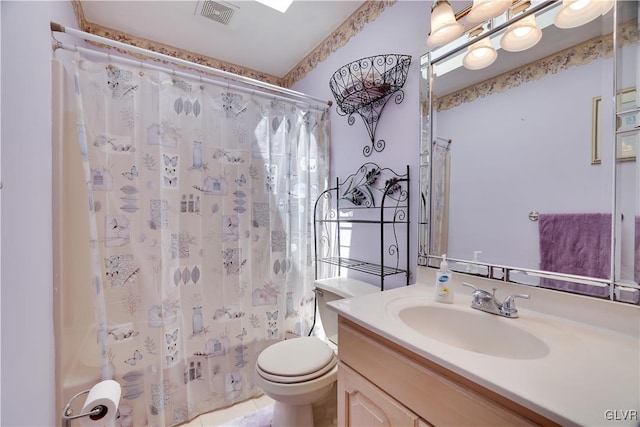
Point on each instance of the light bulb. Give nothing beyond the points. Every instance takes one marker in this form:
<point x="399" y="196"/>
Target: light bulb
<point x="579" y="5"/>
<point x="444" y="27"/>
<point x="578" y="12"/>
<point x="483" y="10"/>
<point x="522" y="35"/>
<point x="521" y="31"/>
<point x="479" y="55"/>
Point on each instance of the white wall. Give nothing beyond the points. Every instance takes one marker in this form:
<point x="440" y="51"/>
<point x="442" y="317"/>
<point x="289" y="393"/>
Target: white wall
<point x="401" y="28"/>
<point x="27" y="371"/>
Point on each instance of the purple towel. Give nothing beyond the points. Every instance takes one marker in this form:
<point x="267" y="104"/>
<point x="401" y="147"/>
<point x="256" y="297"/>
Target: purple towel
<point x="576" y="244"/>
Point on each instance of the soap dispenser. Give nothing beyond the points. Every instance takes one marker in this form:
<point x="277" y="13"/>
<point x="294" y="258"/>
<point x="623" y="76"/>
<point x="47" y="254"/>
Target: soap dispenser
<point x="443" y="293"/>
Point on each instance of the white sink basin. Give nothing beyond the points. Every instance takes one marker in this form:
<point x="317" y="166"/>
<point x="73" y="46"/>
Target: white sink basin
<point x="473" y="330"/>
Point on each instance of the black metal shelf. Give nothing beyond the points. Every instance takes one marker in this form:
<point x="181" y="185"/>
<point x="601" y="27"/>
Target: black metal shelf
<point x="385" y="195"/>
<point x="362" y="221"/>
<point x="363" y="266"/>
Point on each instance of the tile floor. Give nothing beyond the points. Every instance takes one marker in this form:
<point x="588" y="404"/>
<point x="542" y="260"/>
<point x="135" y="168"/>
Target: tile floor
<point x="325" y="412"/>
<point x="220" y="417"/>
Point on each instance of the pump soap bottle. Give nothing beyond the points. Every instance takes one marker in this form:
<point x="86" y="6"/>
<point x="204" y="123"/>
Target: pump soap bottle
<point x="443" y="293"/>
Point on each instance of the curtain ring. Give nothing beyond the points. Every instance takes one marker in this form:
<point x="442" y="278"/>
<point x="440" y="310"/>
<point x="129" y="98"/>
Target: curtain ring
<point x="201" y="84"/>
<point x="141" y="72"/>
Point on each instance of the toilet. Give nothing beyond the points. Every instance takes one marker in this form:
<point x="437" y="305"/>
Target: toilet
<point x="297" y="372"/>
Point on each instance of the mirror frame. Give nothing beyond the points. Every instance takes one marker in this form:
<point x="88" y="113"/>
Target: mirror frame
<point x="513" y="274"/>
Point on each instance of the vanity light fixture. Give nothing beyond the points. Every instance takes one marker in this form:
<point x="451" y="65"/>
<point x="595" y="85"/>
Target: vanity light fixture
<point x="444" y="27"/>
<point x="523" y="34"/>
<point x="483" y="10"/>
<point x="579" y="12"/>
<point x="480" y="54"/>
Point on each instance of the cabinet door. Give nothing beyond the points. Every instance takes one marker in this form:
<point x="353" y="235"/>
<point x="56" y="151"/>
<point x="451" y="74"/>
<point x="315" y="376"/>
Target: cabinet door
<point x="362" y="404"/>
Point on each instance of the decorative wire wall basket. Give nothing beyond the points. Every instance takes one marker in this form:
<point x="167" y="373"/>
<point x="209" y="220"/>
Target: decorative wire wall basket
<point x="364" y="87"/>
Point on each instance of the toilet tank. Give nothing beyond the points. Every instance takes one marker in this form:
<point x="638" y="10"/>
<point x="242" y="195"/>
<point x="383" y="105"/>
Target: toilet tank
<point x="336" y="288"/>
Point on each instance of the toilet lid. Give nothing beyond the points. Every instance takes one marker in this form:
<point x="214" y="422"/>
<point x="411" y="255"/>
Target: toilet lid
<point x="298" y="357"/>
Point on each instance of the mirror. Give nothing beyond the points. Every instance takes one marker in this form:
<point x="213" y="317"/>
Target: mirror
<point x="517" y="173"/>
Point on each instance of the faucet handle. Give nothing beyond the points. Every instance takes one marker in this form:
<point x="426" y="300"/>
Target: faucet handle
<point x="509" y="304"/>
<point x="475" y="288"/>
<point x="479" y="297"/>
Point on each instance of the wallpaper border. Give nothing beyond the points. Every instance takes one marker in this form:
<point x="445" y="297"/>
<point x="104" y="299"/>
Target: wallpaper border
<point x="367" y="12"/>
<point x="580" y="54"/>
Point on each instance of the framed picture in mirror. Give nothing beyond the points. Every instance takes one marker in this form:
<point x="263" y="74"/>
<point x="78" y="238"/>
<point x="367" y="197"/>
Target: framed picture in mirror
<point x="626" y="125"/>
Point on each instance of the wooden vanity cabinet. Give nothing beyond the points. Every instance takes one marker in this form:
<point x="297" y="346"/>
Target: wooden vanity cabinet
<point x="383" y="384"/>
<point x="367" y="405"/>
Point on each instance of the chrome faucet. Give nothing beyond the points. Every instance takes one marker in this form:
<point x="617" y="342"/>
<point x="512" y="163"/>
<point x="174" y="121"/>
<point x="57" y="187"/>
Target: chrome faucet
<point x="484" y="301"/>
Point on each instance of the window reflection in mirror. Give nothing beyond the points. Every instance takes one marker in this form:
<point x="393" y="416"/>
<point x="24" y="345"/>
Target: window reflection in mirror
<point x="507" y="159"/>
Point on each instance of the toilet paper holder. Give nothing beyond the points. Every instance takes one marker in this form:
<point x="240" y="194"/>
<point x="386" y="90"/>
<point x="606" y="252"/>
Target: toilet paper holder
<point x="98" y="412"/>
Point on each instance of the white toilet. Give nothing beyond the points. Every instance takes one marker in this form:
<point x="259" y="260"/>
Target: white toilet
<point x="300" y="371"/>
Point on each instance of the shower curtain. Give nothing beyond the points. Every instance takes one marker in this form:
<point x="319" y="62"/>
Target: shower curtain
<point x="199" y="204"/>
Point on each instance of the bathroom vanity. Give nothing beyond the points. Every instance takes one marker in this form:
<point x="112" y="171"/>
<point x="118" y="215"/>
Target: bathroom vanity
<point x="381" y="383"/>
<point x="406" y="360"/>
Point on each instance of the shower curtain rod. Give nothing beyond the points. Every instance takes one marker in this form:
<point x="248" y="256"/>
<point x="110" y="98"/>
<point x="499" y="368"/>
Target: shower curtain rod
<point x="55" y="27"/>
<point x="132" y="62"/>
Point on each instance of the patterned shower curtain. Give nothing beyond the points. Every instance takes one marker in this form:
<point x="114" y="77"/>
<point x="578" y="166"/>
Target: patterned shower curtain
<point x="200" y="200"/>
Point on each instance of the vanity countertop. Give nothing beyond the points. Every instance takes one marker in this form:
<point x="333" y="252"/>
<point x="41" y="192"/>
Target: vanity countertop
<point x="589" y="376"/>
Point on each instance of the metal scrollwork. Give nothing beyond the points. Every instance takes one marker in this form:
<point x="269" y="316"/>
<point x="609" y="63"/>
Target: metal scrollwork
<point x="364" y="87"/>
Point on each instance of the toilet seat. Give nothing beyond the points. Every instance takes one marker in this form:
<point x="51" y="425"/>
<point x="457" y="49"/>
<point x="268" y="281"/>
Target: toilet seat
<point x="296" y="360"/>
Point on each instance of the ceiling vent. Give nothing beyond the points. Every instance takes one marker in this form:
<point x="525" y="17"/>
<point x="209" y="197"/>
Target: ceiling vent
<point x="217" y="11"/>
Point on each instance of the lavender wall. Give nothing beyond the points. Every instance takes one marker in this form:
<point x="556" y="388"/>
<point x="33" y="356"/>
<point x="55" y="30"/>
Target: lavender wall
<point x="27" y="349"/>
<point x="401" y="28"/>
<point x="561" y="142"/>
<point x="526" y="149"/>
<point x="529" y="149"/>
<point x="27" y="357"/>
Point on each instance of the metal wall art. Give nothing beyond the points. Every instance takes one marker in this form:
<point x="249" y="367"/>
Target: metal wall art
<point x="364" y="87"/>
